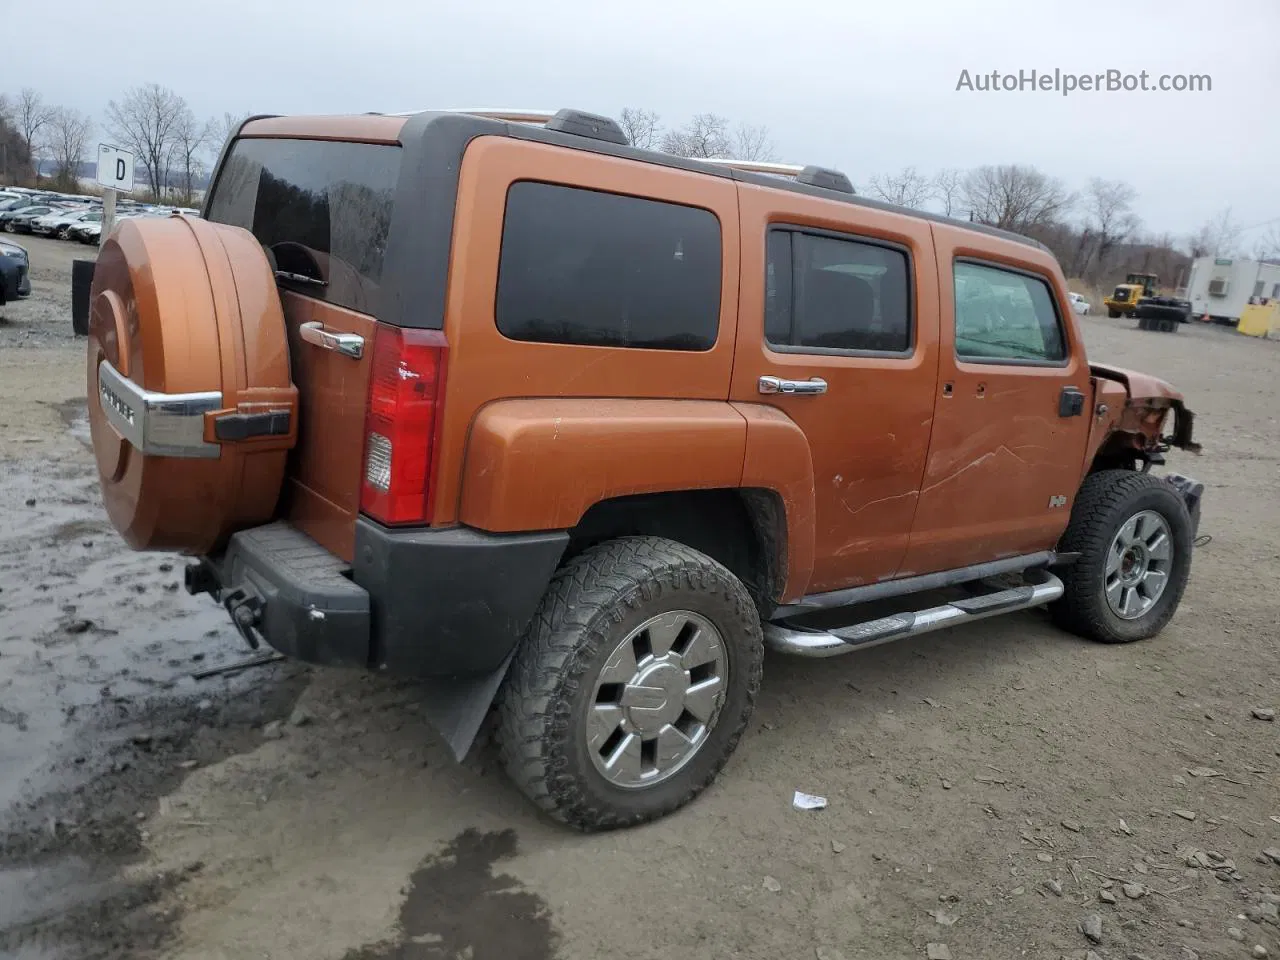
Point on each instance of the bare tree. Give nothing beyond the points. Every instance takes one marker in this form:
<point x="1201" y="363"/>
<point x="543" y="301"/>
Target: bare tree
<point x="947" y="188"/>
<point x="1267" y="246"/>
<point x="907" y="189"/>
<point x="1218" y="237"/>
<point x="1200" y="243"/>
<point x="641" y="127"/>
<point x="31" y="115"/>
<point x="223" y="128"/>
<point x="1110" y="219"/>
<point x="146" y="122"/>
<point x="15" y="153"/>
<point x="69" y="132"/>
<point x="753" y="142"/>
<point x="190" y="136"/>
<point x="706" y="135"/>
<point x="1015" y="197"/>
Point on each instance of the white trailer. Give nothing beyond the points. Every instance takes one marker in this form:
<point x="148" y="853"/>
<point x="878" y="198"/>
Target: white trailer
<point x="1222" y="287"/>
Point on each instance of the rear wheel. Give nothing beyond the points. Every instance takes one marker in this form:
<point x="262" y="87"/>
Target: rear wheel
<point x="1134" y="537"/>
<point x="1112" y="313"/>
<point x="633" y="686"/>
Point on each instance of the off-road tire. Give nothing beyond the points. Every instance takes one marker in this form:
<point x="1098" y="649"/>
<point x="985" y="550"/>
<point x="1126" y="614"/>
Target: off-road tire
<point x="1106" y="500"/>
<point x="1112" y="313"/>
<point x="593" y="602"/>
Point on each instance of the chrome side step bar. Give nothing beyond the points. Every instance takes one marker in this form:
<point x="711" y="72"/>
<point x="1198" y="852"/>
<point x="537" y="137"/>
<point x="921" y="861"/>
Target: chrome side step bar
<point x="809" y="642"/>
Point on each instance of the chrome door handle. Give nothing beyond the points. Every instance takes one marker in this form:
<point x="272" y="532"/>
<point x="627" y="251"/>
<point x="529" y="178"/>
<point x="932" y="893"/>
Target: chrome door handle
<point x="799" y="387"/>
<point x="347" y="344"/>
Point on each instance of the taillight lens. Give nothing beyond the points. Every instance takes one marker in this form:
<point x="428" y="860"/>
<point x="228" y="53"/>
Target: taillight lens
<point x="406" y="390"/>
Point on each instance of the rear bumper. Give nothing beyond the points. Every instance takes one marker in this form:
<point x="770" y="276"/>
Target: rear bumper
<point x="415" y="602"/>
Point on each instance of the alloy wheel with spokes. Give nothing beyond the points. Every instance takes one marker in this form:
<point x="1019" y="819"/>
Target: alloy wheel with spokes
<point x="1127" y="552"/>
<point x="1138" y="564"/>
<point x="656" y="699"/>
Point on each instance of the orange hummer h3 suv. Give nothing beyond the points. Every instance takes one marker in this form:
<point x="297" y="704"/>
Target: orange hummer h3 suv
<point x="573" y="431"/>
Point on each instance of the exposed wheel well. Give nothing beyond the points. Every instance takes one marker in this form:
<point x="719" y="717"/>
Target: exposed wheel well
<point x="743" y="529"/>
<point x="1123" y="451"/>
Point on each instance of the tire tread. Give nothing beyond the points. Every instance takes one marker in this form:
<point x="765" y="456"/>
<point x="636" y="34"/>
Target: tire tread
<point x="591" y="592"/>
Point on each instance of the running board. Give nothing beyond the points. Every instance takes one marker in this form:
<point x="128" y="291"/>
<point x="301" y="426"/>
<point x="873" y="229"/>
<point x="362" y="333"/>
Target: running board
<point x="831" y="643"/>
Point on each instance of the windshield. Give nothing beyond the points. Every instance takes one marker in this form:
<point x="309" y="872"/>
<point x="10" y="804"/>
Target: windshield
<point x="321" y="210"/>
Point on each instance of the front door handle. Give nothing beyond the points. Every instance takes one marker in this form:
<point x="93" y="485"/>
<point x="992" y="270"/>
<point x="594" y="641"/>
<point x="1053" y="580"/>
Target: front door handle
<point x="809" y="387"/>
<point x="347" y="344"/>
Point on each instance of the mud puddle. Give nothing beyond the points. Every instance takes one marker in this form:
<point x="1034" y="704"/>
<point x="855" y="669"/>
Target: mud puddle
<point x="99" y="713"/>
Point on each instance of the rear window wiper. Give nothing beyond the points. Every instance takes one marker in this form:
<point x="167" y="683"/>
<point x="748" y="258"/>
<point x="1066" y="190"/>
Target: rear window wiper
<point x="300" y="278"/>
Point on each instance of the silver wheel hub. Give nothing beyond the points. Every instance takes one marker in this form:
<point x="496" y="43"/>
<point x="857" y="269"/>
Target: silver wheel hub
<point x="656" y="699"/>
<point x="1139" y="563"/>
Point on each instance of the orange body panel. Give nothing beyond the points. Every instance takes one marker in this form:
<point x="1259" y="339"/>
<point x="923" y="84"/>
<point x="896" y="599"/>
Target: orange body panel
<point x="485" y="366"/>
<point x="1000" y="451"/>
<point x="539" y="464"/>
<point x="868" y="436"/>
<point x="323" y="492"/>
<point x="778" y="459"/>
<point x="1113" y="396"/>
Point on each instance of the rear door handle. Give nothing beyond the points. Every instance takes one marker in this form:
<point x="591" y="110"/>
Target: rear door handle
<point x="347" y="344"/>
<point x="810" y="387"/>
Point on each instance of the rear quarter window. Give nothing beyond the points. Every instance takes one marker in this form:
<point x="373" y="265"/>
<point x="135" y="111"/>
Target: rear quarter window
<point x="585" y="267"/>
<point x="320" y="209"/>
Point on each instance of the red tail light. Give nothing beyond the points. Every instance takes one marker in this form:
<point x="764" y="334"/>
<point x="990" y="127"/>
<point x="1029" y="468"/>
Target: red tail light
<point x="406" y="392"/>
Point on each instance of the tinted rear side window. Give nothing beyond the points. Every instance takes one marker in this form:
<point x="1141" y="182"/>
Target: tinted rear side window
<point x="832" y="293"/>
<point x="320" y="209"/>
<point x="584" y="267"/>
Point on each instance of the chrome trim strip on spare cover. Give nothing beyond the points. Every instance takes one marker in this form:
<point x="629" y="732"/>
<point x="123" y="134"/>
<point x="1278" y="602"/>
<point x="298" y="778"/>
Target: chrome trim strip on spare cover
<point x="157" y="424"/>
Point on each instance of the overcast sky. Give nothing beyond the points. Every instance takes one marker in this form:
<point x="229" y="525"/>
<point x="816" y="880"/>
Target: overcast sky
<point x="864" y="86"/>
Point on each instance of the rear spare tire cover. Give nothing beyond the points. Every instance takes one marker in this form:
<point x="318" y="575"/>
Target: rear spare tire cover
<point x="187" y="309"/>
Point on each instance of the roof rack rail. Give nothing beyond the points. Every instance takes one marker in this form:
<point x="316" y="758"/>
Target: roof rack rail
<point x="756" y="166"/>
<point x="811" y="175"/>
<point x="509" y="114"/>
<point x="576" y="122"/>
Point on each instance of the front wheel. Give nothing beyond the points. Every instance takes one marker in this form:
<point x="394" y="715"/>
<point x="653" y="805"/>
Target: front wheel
<point x="1134" y="538"/>
<point x="1112" y="313"/>
<point x="633" y="685"/>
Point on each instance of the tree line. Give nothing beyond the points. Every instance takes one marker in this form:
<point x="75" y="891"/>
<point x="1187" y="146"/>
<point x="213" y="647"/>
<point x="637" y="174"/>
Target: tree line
<point x="172" y="147"/>
<point x="1094" y="232"/>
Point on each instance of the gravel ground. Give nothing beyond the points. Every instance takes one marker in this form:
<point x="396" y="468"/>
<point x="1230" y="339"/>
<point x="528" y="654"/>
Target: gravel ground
<point x="995" y="791"/>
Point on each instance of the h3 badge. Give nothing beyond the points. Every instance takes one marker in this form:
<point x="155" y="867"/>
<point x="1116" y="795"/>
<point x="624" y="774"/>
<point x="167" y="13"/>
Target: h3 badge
<point x="1057" y="501"/>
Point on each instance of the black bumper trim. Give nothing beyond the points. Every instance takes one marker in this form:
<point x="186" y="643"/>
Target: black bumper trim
<point x="296" y="593"/>
<point x="451" y="602"/>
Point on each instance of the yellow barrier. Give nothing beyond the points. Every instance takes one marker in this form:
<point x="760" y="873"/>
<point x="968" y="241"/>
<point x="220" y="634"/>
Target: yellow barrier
<point x="1261" y="321"/>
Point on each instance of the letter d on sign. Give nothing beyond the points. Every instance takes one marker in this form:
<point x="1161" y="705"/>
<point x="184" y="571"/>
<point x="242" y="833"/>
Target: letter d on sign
<point x="119" y="168"/>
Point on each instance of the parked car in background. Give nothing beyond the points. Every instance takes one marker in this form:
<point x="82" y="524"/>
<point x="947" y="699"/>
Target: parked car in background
<point x="19" y="221"/>
<point x="58" y="222"/>
<point x="1079" y="304"/>
<point x="90" y="231"/>
<point x="15" y="282"/>
<point x="86" y="232"/>
<point x="15" y="203"/>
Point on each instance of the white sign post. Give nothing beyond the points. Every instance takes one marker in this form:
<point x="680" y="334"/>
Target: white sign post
<point x="115" y="173"/>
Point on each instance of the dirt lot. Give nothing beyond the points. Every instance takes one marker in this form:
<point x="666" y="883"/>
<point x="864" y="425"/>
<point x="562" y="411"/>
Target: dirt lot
<point x="991" y="789"/>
